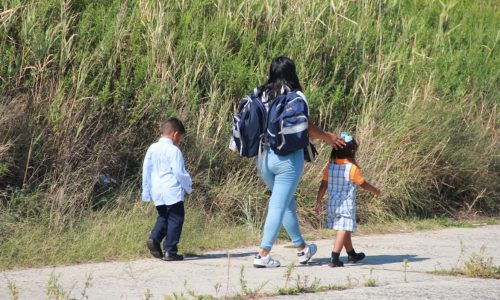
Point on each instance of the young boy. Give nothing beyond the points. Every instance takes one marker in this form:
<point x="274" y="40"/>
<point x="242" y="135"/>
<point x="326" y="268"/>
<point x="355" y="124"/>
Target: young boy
<point x="165" y="180"/>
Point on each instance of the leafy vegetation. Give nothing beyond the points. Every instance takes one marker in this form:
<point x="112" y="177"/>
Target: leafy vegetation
<point x="477" y="266"/>
<point x="83" y="85"/>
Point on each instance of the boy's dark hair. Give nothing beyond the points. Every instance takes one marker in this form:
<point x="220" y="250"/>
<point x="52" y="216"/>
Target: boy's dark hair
<point x="172" y="125"/>
<point x="347" y="152"/>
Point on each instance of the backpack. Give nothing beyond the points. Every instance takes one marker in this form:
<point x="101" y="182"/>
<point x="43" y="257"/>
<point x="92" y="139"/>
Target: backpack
<point x="249" y="125"/>
<point x="285" y="126"/>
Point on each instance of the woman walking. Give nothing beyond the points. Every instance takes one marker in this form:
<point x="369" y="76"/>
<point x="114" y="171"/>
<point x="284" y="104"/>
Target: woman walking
<point x="282" y="173"/>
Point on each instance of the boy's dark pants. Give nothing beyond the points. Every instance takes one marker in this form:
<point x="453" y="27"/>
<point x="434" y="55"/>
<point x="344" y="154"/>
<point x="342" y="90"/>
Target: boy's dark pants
<point x="169" y="226"/>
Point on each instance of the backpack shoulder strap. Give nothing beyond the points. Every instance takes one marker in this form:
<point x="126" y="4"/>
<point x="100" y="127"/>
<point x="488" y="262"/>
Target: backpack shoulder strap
<point x="303" y="97"/>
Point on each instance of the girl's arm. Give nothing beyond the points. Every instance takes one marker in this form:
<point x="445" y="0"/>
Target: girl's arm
<point x="329" y="137"/>
<point x="370" y="188"/>
<point x="321" y="194"/>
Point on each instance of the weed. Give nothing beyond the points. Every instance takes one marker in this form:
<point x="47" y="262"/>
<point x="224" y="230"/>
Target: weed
<point x="217" y="288"/>
<point x="454" y="223"/>
<point x="228" y="272"/>
<point x="480" y="266"/>
<point x="192" y="293"/>
<point x="492" y="221"/>
<point x="87" y="285"/>
<point x="148" y="295"/>
<point x="55" y="290"/>
<point x="243" y="282"/>
<point x="13" y="290"/>
<point x="371" y="282"/>
<point x="477" y="266"/>
<point x="302" y="284"/>
<point x="349" y="281"/>
<point x="405" y="268"/>
<point x="245" y="290"/>
<point x="176" y="296"/>
<point x="288" y="273"/>
<point x="462" y="251"/>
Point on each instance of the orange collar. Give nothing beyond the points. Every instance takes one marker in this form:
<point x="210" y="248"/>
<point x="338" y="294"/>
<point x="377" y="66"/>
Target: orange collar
<point x="342" y="161"/>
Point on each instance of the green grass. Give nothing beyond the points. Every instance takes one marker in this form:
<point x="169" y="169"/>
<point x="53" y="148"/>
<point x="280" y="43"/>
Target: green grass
<point x="492" y="221"/>
<point x="84" y="84"/>
<point x="477" y="266"/>
<point x="111" y="235"/>
<point x="120" y="234"/>
<point x="370" y="281"/>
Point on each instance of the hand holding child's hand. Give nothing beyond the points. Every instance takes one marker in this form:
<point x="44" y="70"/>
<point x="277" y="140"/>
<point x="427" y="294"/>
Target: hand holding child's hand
<point x="334" y="140"/>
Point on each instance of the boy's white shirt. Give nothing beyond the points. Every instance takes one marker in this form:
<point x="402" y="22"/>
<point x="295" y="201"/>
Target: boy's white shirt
<point x="164" y="176"/>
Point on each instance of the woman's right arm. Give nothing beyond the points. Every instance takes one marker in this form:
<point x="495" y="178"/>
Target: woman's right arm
<point x="329" y="137"/>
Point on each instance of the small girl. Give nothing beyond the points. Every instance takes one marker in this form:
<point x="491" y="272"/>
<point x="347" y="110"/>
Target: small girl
<point x="340" y="178"/>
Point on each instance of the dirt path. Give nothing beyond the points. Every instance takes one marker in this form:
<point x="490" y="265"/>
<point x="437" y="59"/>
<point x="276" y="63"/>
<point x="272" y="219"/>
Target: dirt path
<point x="213" y="273"/>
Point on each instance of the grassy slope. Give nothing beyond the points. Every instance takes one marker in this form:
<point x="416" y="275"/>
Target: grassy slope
<point x="121" y="235"/>
<point x="84" y="83"/>
<point x="112" y="235"/>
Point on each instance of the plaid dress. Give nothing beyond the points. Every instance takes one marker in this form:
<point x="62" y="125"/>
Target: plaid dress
<point x="341" y="211"/>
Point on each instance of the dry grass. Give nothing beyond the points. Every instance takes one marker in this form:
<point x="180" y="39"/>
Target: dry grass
<point x="84" y="85"/>
<point x="477" y="266"/>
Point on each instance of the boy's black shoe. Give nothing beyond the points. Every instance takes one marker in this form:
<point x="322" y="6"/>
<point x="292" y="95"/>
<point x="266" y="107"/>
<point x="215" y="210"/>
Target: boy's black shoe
<point x="155" y="248"/>
<point x="172" y="257"/>
<point x="335" y="263"/>
<point x="355" y="257"/>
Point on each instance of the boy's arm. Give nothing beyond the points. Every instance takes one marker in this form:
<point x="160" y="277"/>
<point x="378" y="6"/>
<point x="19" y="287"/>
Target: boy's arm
<point x="146" y="177"/>
<point x="180" y="172"/>
<point x="321" y="193"/>
<point x="370" y="188"/>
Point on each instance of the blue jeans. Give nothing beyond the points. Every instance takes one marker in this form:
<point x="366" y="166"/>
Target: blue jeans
<point x="282" y="175"/>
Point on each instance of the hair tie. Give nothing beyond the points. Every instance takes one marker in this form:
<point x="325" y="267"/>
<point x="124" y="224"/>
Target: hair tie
<point x="347" y="137"/>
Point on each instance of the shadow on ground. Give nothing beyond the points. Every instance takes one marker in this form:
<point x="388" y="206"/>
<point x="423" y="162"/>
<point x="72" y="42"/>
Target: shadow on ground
<point x="374" y="260"/>
<point x="217" y="255"/>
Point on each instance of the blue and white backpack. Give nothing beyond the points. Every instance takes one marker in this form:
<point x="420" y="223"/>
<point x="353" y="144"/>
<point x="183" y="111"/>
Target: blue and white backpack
<point x="249" y="125"/>
<point x="287" y="123"/>
<point x="284" y="127"/>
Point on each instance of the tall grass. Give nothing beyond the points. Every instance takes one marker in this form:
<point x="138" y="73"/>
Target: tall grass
<point x="83" y="85"/>
<point x="117" y="234"/>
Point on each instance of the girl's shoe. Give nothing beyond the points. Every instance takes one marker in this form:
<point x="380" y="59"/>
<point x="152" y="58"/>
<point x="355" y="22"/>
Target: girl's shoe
<point x="334" y="263"/>
<point x="307" y="253"/>
<point x="355" y="258"/>
<point x="265" y="262"/>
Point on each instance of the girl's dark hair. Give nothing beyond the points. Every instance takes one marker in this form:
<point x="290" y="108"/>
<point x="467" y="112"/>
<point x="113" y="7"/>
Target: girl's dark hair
<point x="282" y="73"/>
<point x="348" y="151"/>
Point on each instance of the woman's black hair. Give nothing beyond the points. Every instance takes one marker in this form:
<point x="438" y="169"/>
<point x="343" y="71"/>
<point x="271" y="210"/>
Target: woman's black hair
<point x="282" y="74"/>
<point x="347" y="152"/>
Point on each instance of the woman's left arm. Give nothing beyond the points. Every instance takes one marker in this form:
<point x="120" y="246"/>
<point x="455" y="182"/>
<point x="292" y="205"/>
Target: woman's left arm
<point x="331" y="138"/>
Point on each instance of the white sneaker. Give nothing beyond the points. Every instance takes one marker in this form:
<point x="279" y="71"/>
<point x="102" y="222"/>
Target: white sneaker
<point x="265" y="262"/>
<point x="307" y="253"/>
